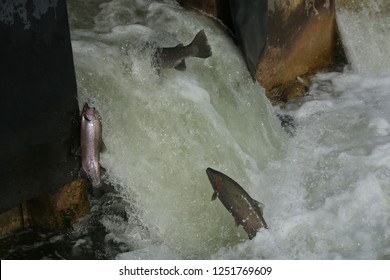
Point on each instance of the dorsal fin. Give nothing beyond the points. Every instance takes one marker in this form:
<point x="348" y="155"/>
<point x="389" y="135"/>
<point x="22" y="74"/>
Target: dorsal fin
<point x="260" y="205"/>
<point x="103" y="147"/>
<point x="181" y="66"/>
<point x="214" y="196"/>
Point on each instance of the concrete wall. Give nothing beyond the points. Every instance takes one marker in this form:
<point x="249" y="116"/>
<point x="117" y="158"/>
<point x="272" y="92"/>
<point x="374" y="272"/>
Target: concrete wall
<point x="39" y="117"/>
<point x="302" y="40"/>
<point x="54" y="212"/>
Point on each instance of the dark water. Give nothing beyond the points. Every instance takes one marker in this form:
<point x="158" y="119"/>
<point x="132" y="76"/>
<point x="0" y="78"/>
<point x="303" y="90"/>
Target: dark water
<point x="87" y="240"/>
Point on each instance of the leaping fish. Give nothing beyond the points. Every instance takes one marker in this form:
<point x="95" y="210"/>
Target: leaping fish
<point x="91" y="144"/>
<point x="245" y="210"/>
<point x="175" y="57"/>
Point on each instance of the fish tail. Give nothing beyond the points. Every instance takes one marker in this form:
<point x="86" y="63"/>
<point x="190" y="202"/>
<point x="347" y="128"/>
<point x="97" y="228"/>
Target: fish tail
<point x="201" y="45"/>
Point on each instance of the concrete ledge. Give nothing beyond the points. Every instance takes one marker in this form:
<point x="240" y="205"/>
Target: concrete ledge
<point x="14" y="220"/>
<point x="55" y="212"/>
<point x="62" y="209"/>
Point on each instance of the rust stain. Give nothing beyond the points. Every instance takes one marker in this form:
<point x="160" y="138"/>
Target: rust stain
<point x="62" y="209"/>
<point x="298" y="45"/>
<point x="301" y="41"/>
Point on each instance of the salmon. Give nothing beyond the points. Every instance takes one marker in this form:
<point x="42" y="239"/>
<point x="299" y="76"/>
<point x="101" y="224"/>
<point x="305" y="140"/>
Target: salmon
<point x="91" y="144"/>
<point x="246" y="211"/>
<point x="174" y="57"/>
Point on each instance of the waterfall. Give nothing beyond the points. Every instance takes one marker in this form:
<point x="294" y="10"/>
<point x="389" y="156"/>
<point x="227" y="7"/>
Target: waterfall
<point x="326" y="190"/>
<point x="163" y="130"/>
<point x="364" y="29"/>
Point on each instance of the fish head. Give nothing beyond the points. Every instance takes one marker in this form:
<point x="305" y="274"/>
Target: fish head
<point x="88" y="112"/>
<point x="216" y="180"/>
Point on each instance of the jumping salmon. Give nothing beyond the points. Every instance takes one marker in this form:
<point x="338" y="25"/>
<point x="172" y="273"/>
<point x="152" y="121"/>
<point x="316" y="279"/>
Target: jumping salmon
<point x="91" y="144"/>
<point x="175" y="57"/>
<point x="245" y="210"/>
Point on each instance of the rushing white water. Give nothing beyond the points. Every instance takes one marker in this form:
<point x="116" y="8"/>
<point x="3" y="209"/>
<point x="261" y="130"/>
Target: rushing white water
<point x="364" y="27"/>
<point x="331" y="193"/>
<point x="326" y="190"/>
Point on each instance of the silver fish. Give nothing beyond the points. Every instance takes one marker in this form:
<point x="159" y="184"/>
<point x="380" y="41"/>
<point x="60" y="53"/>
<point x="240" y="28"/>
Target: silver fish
<point x="175" y="57"/>
<point x="245" y="210"/>
<point x="91" y="144"/>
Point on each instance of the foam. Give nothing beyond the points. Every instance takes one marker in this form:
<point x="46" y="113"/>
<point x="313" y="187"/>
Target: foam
<point x="326" y="190"/>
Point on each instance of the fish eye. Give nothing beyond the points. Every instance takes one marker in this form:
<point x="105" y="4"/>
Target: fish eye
<point x="86" y="117"/>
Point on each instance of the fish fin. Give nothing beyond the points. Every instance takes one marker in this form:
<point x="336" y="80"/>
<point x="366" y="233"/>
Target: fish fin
<point x="103" y="147"/>
<point x="181" y="66"/>
<point x="252" y="233"/>
<point x="179" y="45"/>
<point x="260" y="205"/>
<point x="201" y="45"/>
<point x="214" y="196"/>
<point x="97" y="184"/>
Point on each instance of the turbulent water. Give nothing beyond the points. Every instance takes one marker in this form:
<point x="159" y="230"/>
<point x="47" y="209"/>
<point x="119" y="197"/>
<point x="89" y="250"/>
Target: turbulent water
<point x="364" y="26"/>
<point x="326" y="190"/>
<point x="163" y="131"/>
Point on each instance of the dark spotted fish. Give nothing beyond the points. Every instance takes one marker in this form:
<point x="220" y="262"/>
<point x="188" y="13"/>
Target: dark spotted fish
<point x="246" y="211"/>
<point x="175" y="57"/>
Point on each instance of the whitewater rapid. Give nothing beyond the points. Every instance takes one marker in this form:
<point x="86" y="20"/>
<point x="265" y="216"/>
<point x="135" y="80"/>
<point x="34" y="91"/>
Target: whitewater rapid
<point x="326" y="190"/>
